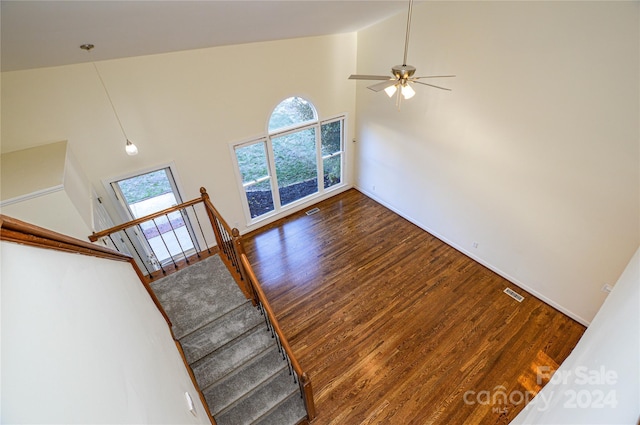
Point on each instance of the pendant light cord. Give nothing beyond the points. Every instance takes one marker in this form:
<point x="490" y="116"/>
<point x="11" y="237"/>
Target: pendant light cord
<point x="110" y="102"/>
<point x="406" y="40"/>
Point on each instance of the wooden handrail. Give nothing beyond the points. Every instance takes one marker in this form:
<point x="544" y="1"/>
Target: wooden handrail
<point x="304" y="378"/>
<point x="97" y="235"/>
<point x="21" y="232"/>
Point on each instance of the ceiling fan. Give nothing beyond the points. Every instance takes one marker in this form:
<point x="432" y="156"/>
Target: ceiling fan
<point x="402" y="74"/>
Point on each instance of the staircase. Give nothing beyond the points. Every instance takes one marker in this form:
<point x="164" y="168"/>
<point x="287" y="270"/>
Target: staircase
<point x="230" y="349"/>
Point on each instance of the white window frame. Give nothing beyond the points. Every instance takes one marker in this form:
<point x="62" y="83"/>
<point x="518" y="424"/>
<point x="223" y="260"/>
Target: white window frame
<point x="267" y="140"/>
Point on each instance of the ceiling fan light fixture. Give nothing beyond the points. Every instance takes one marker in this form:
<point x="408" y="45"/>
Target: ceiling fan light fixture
<point x="407" y="91"/>
<point x="391" y="90"/>
<point x="403" y="75"/>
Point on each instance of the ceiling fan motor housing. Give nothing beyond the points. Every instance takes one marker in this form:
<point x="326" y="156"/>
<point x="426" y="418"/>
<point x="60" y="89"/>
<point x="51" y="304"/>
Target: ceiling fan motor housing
<point x="403" y="72"/>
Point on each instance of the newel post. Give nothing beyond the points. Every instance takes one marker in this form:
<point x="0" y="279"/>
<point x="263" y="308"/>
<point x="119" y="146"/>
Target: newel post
<point x="305" y="382"/>
<point x="216" y="231"/>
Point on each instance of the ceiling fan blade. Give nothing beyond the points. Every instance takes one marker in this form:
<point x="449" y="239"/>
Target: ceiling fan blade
<point x="434" y="76"/>
<point x="431" y="85"/>
<point x="383" y="85"/>
<point x="369" y="77"/>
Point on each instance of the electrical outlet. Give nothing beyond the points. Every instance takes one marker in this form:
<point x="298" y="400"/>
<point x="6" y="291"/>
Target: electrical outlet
<point x="373" y="188"/>
<point x="475" y="244"/>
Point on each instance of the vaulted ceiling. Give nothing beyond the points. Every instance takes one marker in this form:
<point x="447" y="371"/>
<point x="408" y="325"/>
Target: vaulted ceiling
<point x="38" y="34"/>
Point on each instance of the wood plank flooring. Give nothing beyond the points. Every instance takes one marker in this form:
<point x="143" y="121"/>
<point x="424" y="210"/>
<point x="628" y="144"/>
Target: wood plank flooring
<point x="395" y="327"/>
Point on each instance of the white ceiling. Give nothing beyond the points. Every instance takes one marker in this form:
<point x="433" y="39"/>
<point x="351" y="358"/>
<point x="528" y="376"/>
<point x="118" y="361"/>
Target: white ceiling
<point x="48" y="33"/>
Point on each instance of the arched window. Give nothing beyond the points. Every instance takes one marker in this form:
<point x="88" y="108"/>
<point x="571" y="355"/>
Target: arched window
<point x="282" y="168"/>
<point x="293" y="111"/>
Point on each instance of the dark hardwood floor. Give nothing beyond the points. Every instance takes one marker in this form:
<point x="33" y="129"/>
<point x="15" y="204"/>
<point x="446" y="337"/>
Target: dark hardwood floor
<point x="395" y="327"/>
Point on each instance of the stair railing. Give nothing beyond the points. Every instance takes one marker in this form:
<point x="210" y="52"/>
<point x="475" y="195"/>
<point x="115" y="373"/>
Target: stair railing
<point x="128" y="238"/>
<point x="229" y="245"/>
<point x="260" y="300"/>
<point x="224" y="237"/>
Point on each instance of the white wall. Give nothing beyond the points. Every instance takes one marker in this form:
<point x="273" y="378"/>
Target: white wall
<point x="45" y="186"/>
<point x="78" y="188"/>
<point x="82" y="342"/>
<point x="535" y="153"/>
<point x="53" y="211"/>
<point x="32" y="171"/>
<point x="598" y="382"/>
<point x="184" y="107"/>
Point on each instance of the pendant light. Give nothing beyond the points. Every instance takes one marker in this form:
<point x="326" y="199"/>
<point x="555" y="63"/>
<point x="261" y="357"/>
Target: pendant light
<point x="129" y="147"/>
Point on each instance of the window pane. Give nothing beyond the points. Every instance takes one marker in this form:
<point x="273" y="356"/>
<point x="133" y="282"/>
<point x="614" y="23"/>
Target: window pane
<point x="145" y="186"/>
<point x="332" y="170"/>
<point x="252" y="161"/>
<point x="296" y="166"/>
<point x="254" y="168"/>
<point x="294" y="110"/>
<point x="259" y="198"/>
<point x="331" y="137"/>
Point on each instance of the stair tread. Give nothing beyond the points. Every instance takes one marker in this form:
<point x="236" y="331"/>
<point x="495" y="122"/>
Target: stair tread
<point x="232" y="353"/>
<point x="246" y="378"/>
<point x="223" y="361"/>
<point x="219" y="332"/>
<point x="193" y="299"/>
<point x="290" y="412"/>
<point x="261" y="401"/>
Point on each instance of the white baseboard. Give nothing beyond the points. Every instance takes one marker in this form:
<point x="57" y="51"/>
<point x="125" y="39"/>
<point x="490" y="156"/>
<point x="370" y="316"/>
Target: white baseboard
<point x="488" y="265"/>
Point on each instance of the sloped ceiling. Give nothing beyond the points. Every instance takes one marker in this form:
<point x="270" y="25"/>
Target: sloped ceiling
<point x="38" y="34"/>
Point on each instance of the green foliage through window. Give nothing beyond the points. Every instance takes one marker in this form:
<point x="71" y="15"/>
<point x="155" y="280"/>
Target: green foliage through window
<point x="291" y="111"/>
<point x="295" y="155"/>
<point x="145" y="186"/>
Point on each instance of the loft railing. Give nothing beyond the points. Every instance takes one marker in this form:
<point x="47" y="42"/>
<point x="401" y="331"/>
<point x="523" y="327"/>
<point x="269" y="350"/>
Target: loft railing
<point x="131" y="236"/>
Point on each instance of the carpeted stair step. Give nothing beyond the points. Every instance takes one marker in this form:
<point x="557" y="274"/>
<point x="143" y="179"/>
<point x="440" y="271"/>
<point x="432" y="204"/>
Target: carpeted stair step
<point x="243" y="380"/>
<point x="234" y="358"/>
<point x="263" y="400"/>
<point x="220" y="331"/>
<point x="289" y="412"/>
<point x="197" y="294"/>
<point x="226" y="359"/>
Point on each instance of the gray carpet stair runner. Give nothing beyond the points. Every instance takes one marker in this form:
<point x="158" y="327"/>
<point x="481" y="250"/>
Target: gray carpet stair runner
<point x="226" y="341"/>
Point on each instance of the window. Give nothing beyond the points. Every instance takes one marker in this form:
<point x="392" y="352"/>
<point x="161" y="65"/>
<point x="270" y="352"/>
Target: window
<point x="282" y="168"/>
